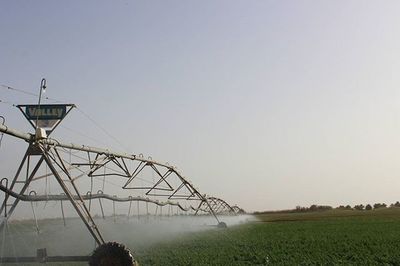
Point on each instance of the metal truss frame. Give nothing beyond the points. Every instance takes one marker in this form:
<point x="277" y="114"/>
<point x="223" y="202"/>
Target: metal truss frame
<point x="219" y="206"/>
<point x="49" y="152"/>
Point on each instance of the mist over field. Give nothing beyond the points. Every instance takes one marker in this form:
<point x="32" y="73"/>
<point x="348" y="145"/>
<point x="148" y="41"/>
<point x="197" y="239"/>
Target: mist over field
<point x="20" y="238"/>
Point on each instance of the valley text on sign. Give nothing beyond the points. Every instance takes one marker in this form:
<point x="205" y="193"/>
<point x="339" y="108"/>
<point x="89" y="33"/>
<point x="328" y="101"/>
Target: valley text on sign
<point x="45" y="112"/>
<point x="46" y="116"/>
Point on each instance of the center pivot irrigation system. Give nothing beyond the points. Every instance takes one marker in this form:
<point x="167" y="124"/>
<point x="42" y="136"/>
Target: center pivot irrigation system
<point x="85" y="175"/>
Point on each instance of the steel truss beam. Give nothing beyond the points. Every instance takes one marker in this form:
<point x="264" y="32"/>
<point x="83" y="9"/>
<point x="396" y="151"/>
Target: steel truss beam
<point x="219" y="206"/>
<point x="168" y="182"/>
<point x="63" y="197"/>
<point x="35" y="149"/>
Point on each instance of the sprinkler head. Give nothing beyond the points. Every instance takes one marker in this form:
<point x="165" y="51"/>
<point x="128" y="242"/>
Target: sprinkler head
<point x="222" y="225"/>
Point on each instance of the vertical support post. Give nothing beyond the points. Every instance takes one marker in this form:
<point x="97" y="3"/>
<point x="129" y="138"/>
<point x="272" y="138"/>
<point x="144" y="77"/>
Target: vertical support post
<point x="147" y="211"/>
<point x="113" y="202"/>
<point x="62" y="212"/>
<point x="33" y="211"/>
<point x="101" y="207"/>
<point x="5" y="199"/>
<point x="138" y="214"/>
<point x="89" y="193"/>
<point x="129" y="211"/>
<point x="27" y="167"/>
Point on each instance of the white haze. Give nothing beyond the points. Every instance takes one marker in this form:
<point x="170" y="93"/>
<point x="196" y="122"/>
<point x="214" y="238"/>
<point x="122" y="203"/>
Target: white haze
<point x="20" y="238"/>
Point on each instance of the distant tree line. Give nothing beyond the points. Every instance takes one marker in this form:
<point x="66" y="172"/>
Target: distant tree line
<point x="315" y="208"/>
<point x="369" y="207"/>
<point x="312" y="208"/>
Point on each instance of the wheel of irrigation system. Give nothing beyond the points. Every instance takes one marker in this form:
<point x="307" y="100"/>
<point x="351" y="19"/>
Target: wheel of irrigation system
<point x="112" y="254"/>
<point x="222" y="225"/>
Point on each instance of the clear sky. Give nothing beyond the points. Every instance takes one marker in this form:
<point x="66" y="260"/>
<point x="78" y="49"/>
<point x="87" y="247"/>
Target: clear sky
<point x="266" y="104"/>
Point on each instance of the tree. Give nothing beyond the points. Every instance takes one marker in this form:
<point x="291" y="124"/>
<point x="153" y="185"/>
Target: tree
<point x="348" y="207"/>
<point x="379" y="205"/>
<point x="324" y="207"/>
<point x="359" y="207"/>
<point x="368" y="207"/>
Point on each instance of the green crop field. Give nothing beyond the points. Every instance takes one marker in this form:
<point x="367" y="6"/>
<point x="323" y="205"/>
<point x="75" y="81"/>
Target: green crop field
<point x="326" y="238"/>
<point x="336" y="237"/>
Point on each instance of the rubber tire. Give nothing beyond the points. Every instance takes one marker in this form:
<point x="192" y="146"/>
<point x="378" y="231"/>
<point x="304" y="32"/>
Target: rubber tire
<point x="222" y="225"/>
<point x="112" y="254"/>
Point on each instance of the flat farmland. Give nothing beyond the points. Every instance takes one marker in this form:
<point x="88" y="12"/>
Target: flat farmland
<point x="322" y="238"/>
<point x="336" y="237"/>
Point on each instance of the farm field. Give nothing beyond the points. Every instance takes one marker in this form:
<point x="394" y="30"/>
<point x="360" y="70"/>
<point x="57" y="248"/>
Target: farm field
<point x="321" y="238"/>
<point x="326" y="238"/>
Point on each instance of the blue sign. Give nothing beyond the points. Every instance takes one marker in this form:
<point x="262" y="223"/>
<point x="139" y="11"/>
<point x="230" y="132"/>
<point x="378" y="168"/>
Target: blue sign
<point x="46" y="112"/>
